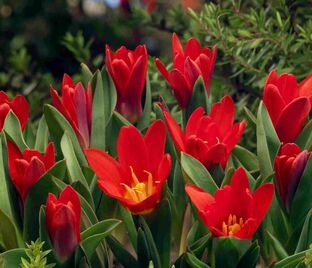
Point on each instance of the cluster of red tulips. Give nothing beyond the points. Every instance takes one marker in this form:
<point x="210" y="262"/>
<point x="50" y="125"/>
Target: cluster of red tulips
<point x="110" y="177"/>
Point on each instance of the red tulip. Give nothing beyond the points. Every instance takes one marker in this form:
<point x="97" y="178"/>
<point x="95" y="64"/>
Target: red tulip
<point x="128" y="70"/>
<point x="18" y="105"/>
<point x="188" y="65"/>
<point x="287" y="103"/>
<point x="138" y="176"/>
<point x="233" y="210"/>
<point x="28" y="167"/>
<point x="63" y="222"/>
<point x="76" y="106"/>
<point x="208" y="138"/>
<point x="289" y="166"/>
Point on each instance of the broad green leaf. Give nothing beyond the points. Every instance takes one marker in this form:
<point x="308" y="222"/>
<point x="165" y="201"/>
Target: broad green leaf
<point x="144" y="255"/>
<point x="8" y="232"/>
<point x="197" y="173"/>
<point x="42" y="136"/>
<point x="292" y="260"/>
<point x="304" y="140"/>
<point x="160" y="226"/>
<point x="199" y="98"/>
<point x="154" y="254"/>
<point x="267" y="142"/>
<point x="29" y="136"/>
<point x="145" y="120"/>
<point x="93" y="236"/>
<point x="194" y="262"/>
<point x="9" y="200"/>
<point x="121" y="254"/>
<point x="230" y="247"/>
<point x="58" y="125"/>
<point x="86" y="74"/>
<point x="36" y="197"/>
<point x="98" y="114"/>
<point x="305" y="239"/>
<point x="247" y="158"/>
<point x="73" y="167"/>
<point x="250" y="258"/>
<point x="12" y="258"/>
<point x="130" y="226"/>
<point x="279" y="250"/>
<point x="13" y="129"/>
<point x="302" y="200"/>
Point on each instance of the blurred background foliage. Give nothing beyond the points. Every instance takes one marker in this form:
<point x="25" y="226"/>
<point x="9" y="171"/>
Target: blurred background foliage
<point x="42" y="40"/>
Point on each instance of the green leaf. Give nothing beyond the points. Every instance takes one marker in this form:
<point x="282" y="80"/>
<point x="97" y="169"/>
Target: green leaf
<point x="9" y="200"/>
<point x="152" y="249"/>
<point x="36" y="197"/>
<point x="199" y="97"/>
<point x="250" y="258"/>
<point x="302" y="201"/>
<point x="144" y="255"/>
<point x="121" y="254"/>
<point x="13" y="129"/>
<point x="86" y="74"/>
<point x="12" y="258"/>
<point x="279" y="250"/>
<point x="145" y="120"/>
<point x="197" y="173"/>
<point x="57" y="125"/>
<point x="305" y="239"/>
<point x="93" y="236"/>
<point x="292" y="260"/>
<point x="230" y="247"/>
<point x="160" y="226"/>
<point x="98" y="114"/>
<point x="194" y="262"/>
<point x="267" y="142"/>
<point x="42" y="136"/>
<point x="130" y="226"/>
<point x="8" y="232"/>
<point x="74" y="169"/>
<point x="247" y="158"/>
<point x="304" y="140"/>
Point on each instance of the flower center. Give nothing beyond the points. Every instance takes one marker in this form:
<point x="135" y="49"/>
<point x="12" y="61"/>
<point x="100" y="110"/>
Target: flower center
<point x="232" y="226"/>
<point x="139" y="190"/>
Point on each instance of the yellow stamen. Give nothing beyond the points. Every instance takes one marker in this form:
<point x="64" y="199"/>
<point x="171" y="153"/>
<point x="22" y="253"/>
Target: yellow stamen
<point x="233" y="226"/>
<point x="138" y="191"/>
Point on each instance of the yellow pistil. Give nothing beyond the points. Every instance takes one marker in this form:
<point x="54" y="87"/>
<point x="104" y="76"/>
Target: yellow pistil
<point x="138" y="191"/>
<point x="232" y="226"/>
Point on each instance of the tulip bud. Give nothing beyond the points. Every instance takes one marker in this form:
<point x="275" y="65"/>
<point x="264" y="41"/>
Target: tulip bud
<point x="128" y="70"/>
<point x="289" y="166"/>
<point x="18" y="105"/>
<point x="63" y="222"/>
<point x="26" y="168"/>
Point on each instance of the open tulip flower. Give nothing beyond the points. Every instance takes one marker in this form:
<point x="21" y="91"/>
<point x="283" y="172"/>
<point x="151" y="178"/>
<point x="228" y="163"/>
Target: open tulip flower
<point x="289" y="166"/>
<point x="18" y="105"/>
<point x="137" y="178"/>
<point x="27" y="167"/>
<point x="63" y="222"/>
<point x="188" y="65"/>
<point x="288" y="103"/>
<point x="128" y="70"/>
<point x="208" y="138"/>
<point x="76" y="105"/>
<point x="233" y="210"/>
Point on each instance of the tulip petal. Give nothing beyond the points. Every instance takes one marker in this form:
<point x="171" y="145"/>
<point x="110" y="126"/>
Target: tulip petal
<point x="176" y="45"/>
<point x="262" y="200"/>
<point x="49" y="156"/>
<point x="293" y="115"/>
<point x="175" y="131"/>
<point x="193" y="122"/>
<point x="182" y="89"/>
<point x="192" y="48"/>
<point x="155" y="139"/>
<point x="201" y="199"/>
<point x="20" y="107"/>
<point x="162" y="69"/>
<point x="305" y="87"/>
<point x="104" y="166"/>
